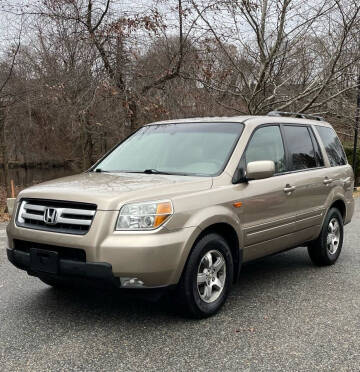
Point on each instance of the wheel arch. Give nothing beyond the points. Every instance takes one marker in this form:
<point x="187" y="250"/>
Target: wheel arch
<point x="229" y="233"/>
<point x="341" y="206"/>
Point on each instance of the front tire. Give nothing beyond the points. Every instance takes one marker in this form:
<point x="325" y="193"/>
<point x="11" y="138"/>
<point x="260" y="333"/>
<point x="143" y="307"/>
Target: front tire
<point x="326" y="249"/>
<point x="207" y="277"/>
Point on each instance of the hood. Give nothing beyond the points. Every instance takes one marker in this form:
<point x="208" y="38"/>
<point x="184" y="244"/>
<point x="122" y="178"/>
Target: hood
<point x="110" y="190"/>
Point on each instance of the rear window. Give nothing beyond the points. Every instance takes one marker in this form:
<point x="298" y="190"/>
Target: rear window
<point x="333" y="147"/>
<point x="300" y="147"/>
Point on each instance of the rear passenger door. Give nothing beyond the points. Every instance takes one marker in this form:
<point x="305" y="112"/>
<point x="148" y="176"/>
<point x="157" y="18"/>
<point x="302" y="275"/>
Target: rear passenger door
<point x="306" y="174"/>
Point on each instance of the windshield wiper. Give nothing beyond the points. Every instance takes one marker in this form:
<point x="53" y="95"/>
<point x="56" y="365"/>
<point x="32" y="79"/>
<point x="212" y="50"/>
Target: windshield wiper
<point x="154" y="171"/>
<point x="146" y="171"/>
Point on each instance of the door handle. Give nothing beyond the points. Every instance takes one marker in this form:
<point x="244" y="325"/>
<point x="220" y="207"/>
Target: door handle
<point x="327" y="181"/>
<point x="289" y="189"/>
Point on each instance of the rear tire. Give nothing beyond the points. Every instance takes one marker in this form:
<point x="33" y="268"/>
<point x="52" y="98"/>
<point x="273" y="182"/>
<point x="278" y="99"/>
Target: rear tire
<point x="207" y="277"/>
<point x="326" y="249"/>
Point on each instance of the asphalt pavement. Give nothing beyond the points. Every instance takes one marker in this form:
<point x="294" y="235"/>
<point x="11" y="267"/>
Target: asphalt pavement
<point x="283" y="315"/>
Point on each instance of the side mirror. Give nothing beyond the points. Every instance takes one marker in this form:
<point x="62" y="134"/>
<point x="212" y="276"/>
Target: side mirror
<point x="258" y="170"/>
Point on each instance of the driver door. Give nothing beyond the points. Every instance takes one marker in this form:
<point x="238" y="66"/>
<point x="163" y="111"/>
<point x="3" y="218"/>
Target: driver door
<point x="267" y="222"/>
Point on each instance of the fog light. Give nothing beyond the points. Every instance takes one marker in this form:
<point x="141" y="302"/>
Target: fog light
<point x="131" y="282"/>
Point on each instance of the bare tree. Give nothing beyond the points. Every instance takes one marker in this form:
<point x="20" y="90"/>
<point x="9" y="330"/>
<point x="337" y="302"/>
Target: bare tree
<point x="89" y="72"/>
<point x="272" y="35"/>
<point x="7" y="69"/>
<point x="109" y="32"/>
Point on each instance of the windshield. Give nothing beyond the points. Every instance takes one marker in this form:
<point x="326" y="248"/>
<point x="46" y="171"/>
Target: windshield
<point x="186" y="149"/>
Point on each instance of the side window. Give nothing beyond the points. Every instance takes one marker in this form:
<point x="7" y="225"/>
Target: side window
<point x="318" y="154"/>
<point x="267" y="144"/>
<point x="300" y="147"/>
<point x="334" y="150"/>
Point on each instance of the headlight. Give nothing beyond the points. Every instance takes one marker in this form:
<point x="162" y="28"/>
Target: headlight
<point x="144" y="216"/>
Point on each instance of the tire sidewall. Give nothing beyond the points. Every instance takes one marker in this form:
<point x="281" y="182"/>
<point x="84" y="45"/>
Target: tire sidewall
<point x="207" y="243"/>
<point x="333" y="213"/>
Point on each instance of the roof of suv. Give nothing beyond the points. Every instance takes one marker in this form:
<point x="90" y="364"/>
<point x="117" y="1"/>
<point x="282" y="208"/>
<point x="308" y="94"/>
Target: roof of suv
<point x="253" y="120"/>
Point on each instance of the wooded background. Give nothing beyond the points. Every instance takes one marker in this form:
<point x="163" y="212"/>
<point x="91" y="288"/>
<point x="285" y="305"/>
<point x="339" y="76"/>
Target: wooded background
<point x="76" y="76"/>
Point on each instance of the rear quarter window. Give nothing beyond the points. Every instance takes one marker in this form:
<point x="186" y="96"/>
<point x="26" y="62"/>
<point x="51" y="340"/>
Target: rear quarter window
<point x="332" y="144"/>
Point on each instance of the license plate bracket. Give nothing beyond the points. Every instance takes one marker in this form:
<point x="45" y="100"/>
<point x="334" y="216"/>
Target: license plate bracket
<point x="44" y="261"/>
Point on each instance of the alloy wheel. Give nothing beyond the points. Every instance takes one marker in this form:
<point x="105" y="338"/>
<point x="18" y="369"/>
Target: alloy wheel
<point x="333" y="237"/>
<point x="211" y="276"/>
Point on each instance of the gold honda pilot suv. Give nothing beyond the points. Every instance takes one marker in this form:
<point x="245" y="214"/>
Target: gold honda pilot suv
<point x="182" y="204"/>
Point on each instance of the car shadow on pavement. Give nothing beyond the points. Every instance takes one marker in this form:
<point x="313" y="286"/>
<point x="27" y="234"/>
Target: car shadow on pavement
<point x="256" y="279"/>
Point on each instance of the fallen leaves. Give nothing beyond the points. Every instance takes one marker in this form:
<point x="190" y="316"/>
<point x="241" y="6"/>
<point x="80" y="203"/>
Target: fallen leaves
<point x="4" y="216"/>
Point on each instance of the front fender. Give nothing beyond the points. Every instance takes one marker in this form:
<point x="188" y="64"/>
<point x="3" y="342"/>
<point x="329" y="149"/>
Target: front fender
<point x="203" y="219"/>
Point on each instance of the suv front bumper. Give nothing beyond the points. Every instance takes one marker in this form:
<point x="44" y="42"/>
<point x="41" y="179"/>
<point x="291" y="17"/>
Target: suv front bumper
<point x="65" y="268"/>
<point x="155" y="258"/>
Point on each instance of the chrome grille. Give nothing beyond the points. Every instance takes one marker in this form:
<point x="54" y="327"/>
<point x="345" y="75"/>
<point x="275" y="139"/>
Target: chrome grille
<point x="57" y="216"/>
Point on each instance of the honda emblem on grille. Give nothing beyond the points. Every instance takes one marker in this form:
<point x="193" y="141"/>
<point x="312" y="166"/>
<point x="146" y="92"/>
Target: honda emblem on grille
<point x="50" y="216"/>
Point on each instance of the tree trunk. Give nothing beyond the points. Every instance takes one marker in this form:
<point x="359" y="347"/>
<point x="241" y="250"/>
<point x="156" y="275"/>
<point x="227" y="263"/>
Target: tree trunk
<point x="87" y="141"/>
<point x="132" y="114"/>
<point x="3" y="152"/>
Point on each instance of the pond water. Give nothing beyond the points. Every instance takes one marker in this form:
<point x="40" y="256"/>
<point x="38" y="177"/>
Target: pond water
<point x="26" y="177"/>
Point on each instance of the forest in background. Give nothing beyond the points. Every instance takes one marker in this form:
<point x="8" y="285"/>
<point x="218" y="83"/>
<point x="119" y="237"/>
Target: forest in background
<point x="77" y="76"/>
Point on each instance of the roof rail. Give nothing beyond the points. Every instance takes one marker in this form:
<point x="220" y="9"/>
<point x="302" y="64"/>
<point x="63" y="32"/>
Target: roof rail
<point x="295" y="115"/>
